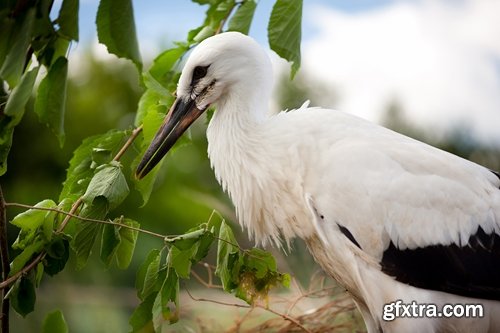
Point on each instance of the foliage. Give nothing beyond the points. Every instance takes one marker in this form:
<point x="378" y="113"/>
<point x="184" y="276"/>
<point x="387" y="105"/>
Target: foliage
<point x="34" y="48"/>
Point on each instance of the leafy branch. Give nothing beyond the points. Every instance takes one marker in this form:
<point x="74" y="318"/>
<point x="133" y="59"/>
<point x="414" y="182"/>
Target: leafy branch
<point x="96" y="184"/>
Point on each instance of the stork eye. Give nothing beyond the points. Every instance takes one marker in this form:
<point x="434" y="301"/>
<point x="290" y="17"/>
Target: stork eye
<point x="199" y="72"/>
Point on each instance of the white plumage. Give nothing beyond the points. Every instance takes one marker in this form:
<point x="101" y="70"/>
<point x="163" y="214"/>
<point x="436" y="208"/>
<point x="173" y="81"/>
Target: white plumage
<point x="389" y="217"/>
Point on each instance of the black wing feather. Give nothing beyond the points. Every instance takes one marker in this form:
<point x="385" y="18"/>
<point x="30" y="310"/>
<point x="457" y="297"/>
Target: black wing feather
<point x="472" y="270"/>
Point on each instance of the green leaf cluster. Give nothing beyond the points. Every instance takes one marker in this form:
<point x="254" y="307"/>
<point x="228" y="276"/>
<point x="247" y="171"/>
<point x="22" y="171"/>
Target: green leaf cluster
<point x="37" y="235"/>
<point x="28" y="32"/>
<point x="98" y="182"/>
<point x="101" y="184"/>
<point x="249" y="274"/>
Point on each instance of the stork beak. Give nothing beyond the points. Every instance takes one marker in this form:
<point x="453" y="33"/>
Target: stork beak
<point x="181" y="115"/>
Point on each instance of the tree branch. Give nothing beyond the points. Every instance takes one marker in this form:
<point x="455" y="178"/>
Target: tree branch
<point x="129" y="142"/>
<point x="71" y="214"/>
<point x="23" y="271"/>
<point x="86" y="219"/>
<point x="4" y="253"/>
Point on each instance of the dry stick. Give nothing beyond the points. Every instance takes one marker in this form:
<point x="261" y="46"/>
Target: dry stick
<point x="239" y="321"/>
<point x="215" y="301"/>
<point x="284" y="316"/>
<point x="307" y="294"/>
<point x="4" y="253"/>
<point x="205" y="283"/>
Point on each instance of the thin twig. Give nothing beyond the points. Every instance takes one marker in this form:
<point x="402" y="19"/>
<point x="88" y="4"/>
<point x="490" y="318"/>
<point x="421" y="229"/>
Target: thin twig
<point x="310" y="293"/>
<point x="129" y="142"/>
<point x="71" y="213"/>
<point x="4" y="253"/>
<point x="239" y="321"/>
<point x="205" y="283"/>
<point x="215" y="301"/>
<point x="286" y="317"/>
<point x="23" y="271"/>
<point x="86" y="219"/>
<point x="224" y="20"/>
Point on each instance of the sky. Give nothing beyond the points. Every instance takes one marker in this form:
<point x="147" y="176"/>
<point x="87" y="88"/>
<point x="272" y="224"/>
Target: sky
<point x="438" y="59"/>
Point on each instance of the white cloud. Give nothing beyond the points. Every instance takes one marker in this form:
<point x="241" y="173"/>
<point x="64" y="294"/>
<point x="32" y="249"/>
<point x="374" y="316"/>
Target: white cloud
<point x="441" y="60"/>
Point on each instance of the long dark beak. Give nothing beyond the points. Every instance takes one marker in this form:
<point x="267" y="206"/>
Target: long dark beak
<point x="182" y="114"/>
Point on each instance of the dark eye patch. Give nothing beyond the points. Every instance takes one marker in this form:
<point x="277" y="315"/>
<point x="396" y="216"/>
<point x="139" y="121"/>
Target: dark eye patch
<point x="199" y="72"/>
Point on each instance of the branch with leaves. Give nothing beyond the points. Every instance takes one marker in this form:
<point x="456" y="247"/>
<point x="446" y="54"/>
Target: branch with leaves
<point x="96" y="183"/>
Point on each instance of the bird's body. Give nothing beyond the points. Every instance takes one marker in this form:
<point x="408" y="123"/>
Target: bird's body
<point x="389" y="217"/>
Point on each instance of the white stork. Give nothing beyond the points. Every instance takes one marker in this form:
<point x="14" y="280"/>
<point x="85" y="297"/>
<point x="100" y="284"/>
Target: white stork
<point x="389" y="217"/>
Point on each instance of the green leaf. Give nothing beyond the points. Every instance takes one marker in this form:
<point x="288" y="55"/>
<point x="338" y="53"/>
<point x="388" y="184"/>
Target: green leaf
<point x="204" y="244"/>
<point x="181" y="260"/>
<point x="84" y="241"/>
<point x="54" y="322"/>
<point x="151" y="123"/>
<point x="100" y="156"/>
<point x="227" y="256"/>
<point x="205" y="32"/>
<point x="109" y="182"/>
<point x="142" y="271"/>
<point x="109" y="243"/>
<point x="128" y="239"/>
<point x="165" y="62"/>
<point x="17" y="47"/>
<point x="86" y="236"/>
<point x="48" y="225"/>
<point x="242" y="19"/>
<point x="261" y="262"/>
<point x="33" y="218"/>
<point x="25" y="256"/>
<point x="23" y="296"/>
<point x="119" y="241"/>
<point x="187" y="240"/>
<point x="7" y="25"/>
<point x="153" y="84"/>
<point x="68" y="19"/>
<point x="50" y="102"/>
<point x="166" y="305"/>
<point x="80" y="172"/>
<point x="97" y="210"/>
<point x="7" y="125"/>
<point x="20" y="96"/>
<point x="38" y="274"/>
<point x="257" y="274"/>
<point x="146" y="277"/>
<point x="285" y="31"/>
<point x="142" y="318"/>
<point x="57" y="256"/>
<point x="116" y="29"/>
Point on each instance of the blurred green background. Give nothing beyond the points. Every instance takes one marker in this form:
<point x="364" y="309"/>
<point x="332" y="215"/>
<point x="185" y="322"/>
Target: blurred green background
<point x="102" y="95"/>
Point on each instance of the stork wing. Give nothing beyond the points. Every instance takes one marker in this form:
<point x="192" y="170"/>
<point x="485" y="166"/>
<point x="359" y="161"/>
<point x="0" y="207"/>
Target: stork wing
<point x="430" y="218"/>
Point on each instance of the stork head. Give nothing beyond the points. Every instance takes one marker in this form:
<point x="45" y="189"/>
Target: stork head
<point x="223" y="66"/>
